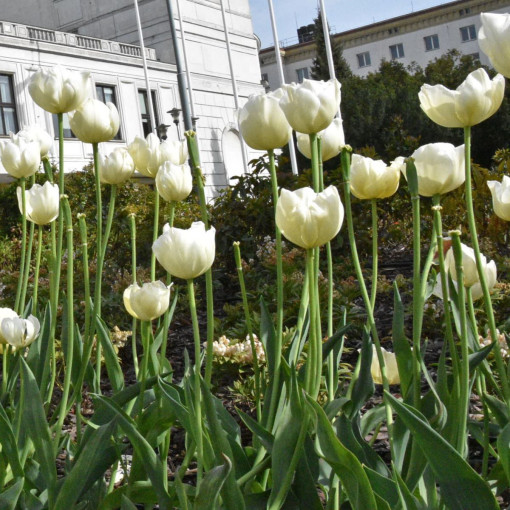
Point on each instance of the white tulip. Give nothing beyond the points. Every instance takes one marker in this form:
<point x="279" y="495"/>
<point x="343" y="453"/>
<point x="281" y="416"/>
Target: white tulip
<point x="312" y="105"/>
<point x="35" y="133"/>
<point x="21" y="157"/>
<point x="150" y="154"/>
<point x="147" y="302"/>
<point x="174" y="182"/>
<point x="4" y="314"/>
<point x="94" y="121"/>
<point x="494" y="40"/>
<point x="42" y="202"/>
<point x="309" y="219"/>
<point x="117" y="167"/>
<point x="501" y="197"/>
<point x="332" y="141"/>
<point x="373" y="178"/>
<point x="186" y="253"/>
<point x="20" y="332"/>
<point x="390" y="361"/>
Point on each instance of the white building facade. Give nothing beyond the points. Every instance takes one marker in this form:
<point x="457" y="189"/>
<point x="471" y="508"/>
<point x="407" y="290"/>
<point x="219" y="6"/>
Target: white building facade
<point x="418" y="38"/>
<point x="101" y="38"/>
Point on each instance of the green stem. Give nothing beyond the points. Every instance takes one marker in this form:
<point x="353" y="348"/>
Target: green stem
<point x="247" y="318"/>
<point x="481" y="274"/>
<point x="37" y="268"/>
<point x="70" y="321"/>
<point x="197" y="390"/>
<point x="463" y="401"/>
<point x="313" y="365"/>
<point x="275" y="394"/>
<point x="26" y="273"/>
<point x="86" y="276"/>
<point x="23" y="245"/>
<point x="375" y="254"/>
<point x="315" y="162"/>
<point x="146" y="334"/>
<point x="109" y="220"/>
<point x="155" y="232"/>
<point x="5" y="367"/>
<point x="132" y="225"/>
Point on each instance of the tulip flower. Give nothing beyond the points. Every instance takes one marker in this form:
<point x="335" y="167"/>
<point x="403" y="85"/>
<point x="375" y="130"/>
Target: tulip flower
<point x="35" y="133"/>
<point x="150" y="154"/>
<point x="20" y="332"/>
<point x="117" y="167"/>
<point x="58" y="90"/>
<point x="372" y="179"/>
<point x="475" y="99"/>
<point x="309" y="219"/>
<point x="332" y="141"/>
<point x="42" y="203"/>
<point x="440" y="168"/>
<point x="147" y="302"/>
<point x="501" y="197"/>
<point x="175" y="151"/>
<point x="20" y="157"/>
<point x="94" y="121"/>
<point x="186" y="253"/>
<point x="494" y="40"/>
<point x="312" y="105"/>
<point x="470" y="272"/>
<point x="262" y="122"/>
<point x="174" y="182"/>
<point x="4" y="314"/>
<point x="390" y="361"/>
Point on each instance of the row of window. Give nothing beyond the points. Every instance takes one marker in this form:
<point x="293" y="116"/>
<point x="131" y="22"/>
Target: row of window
<point x="106" y="93"/>
<point x="431" y="43"/>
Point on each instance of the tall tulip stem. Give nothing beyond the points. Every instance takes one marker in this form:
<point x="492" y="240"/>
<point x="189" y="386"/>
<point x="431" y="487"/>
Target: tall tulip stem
<point x="481" y="273"/>
<point x="23" y="245"/>
<point x="375" y="254"/>
<point x="132" y="226"/>
<point x="155" y="232"/>
<point x="37" y="268"/>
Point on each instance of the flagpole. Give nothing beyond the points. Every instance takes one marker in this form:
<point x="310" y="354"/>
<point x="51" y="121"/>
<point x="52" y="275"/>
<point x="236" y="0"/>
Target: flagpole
<point x="234" y="82"/>
<point x="327" y="40"/>
<point x="145" y="71"/>
<point x="292" y="149"/>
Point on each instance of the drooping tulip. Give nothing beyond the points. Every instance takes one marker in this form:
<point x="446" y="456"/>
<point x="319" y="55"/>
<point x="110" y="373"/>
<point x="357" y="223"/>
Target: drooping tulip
<point x="58" y="90"/>
<point x="174" y="182"/>
<point x="494" y="40"/>
<point x="262" y="122"/>
<point x="470" y="272"/>
<point x="440" y="168"/>
<point x="390" y="361"/>
<point x="332" y="141"/>
<point x="501" y="197"/>
<point x="186" y="253"/>
<point x="307" y="218"/>
<point x="20" y="157"/>
<point x="42" y="202"/>
<point x="117" y="167"/>
<point x="372" y="179"/>
<point x="20" y="332"/>
<point x="35" y="133"/>
<point x="147" y="302"/>
<point x="4" y="314"/>
<point x="149" y="154"/>
<point x="477" y="98"/>
<point x="94" y="121"/>
<point x="312" y="105"/>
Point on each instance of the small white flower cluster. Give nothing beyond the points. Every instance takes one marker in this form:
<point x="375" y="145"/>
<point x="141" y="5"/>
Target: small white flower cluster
<point x="237" y="351"/>
<point x="503" y="346"/>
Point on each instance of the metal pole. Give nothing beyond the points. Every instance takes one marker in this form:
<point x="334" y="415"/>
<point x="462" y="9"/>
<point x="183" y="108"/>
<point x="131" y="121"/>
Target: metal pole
<point x="292" y="149"/>
<point x="327" y="40"/>
<point x="185" y="104"/>
<point x="144" y="61"/>
<point x="234" y="83"/>
<point x="185" y="55"/>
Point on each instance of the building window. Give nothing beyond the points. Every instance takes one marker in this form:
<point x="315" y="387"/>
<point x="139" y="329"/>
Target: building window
<point x="67" y="128"/>
<point x="468" y="33"/>
<point x="364" y="59"/>
<point x="144" y="110"/>
<point x="397" y="51"/>
<point x="106" y="94"/>
<point x="431" y="42"/>
<point x="302" y="74"/>
<point x="8" y="118"/>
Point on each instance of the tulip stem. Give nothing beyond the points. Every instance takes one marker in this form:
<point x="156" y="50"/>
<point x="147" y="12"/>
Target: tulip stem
<point x="37" y="268"/>
<point x="23" y="245"/>
<point x="5" y="367"/>
<point x="109" y="220"/>
<point x="314" y="149"/>
<point x="247" y="318"/>
<point x="86" y="276"/>
<point x="132" y="225"/>
<point x="375" y="254"/>
<point x="275" y="394"/>
<point x="346" y="164"/>
<point x="481" y="273"/>
<point x="155" y="232"/>
<point x="197" y="391"/>
<point x="463" y="402"/>
<point x="26" y="273"/>
<point x="70" y="322"/>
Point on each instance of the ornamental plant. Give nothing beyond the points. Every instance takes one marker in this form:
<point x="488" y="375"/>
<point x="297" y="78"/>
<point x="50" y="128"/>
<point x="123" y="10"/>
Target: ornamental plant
<point x="309" y="437"/>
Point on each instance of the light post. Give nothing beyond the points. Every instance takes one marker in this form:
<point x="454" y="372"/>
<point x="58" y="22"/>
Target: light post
<point x="176" y="117"/>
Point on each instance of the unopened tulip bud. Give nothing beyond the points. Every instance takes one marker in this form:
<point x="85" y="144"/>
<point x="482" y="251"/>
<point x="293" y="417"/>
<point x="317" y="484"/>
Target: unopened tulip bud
<point x="148" y="302"/>
<point x="150" y="154"/>
<point x="390" y="361"/>
<point x="94" y="121"/>
<point x="372" y="179"/>
<point x="20" y="157"/>
<point x="174" y="182"/>
<point x="117" y="167"/>
<point x="494" y="41"/>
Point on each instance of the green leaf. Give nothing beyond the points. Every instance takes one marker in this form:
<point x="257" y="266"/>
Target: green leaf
<point x="504" y="450"/>
<point x="461" y="486"/>
<point x="115" y="374"/>
<point x="211" y="485"/>
<point x="127" y="504"/>
<point x="403" y="351"/>
<point x="265" y="437"/>
<point x="477" y="357"/>
<point x="384" y="487"/>
<point x="267" y="337"/>
<point x="9" y="446"/>
<point x="9" y="497"/>
<point x="498" y="409"/>
<point x="152" y="463"/>
<point x="345" y="464"/>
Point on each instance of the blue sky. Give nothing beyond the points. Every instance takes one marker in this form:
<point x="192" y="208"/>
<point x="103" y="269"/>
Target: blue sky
<point x="342" y="15"/>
